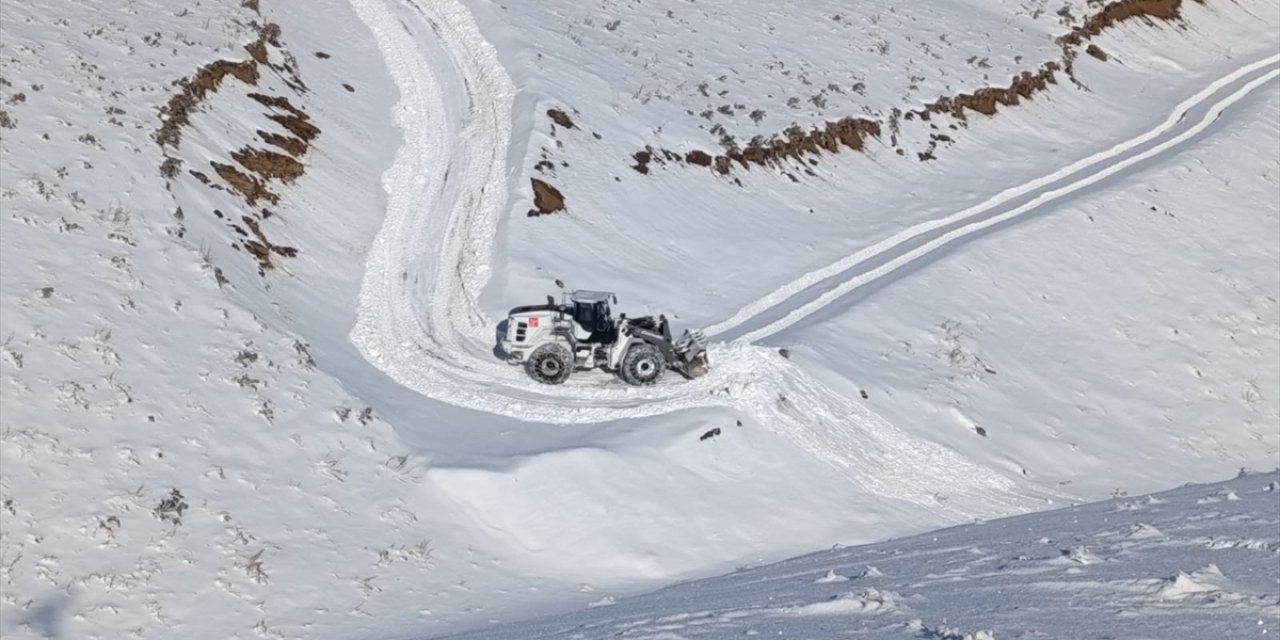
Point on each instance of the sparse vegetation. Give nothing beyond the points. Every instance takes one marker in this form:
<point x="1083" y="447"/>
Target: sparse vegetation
<point x="171" y="508"/>
<point x="256" y="167"/>
<point x="790" y="144"/>
<point x="254" y="568"/>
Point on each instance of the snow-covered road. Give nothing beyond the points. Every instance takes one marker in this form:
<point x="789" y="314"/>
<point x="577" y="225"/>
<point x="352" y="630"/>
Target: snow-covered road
<point x="419" y="319"/>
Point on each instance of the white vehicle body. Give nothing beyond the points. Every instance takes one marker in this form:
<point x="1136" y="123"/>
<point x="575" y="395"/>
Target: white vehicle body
<point x="552" y="340"/>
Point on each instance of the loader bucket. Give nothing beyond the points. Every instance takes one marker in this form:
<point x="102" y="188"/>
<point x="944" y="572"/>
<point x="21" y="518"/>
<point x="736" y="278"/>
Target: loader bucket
<point x="698" y="365"/>
<point x="691" y="353"/>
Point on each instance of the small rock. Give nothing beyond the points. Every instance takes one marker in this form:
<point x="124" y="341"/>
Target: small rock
<point x="546" y="198"/>
<point x="561" y="118"/>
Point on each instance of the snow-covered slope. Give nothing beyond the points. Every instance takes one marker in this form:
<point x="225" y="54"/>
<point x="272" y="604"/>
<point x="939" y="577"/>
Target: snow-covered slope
<point x="254" y="256"/>
<point x="1196" y="562"/>
<point x="722" y="239"/>
<point x="1125" y="339"/>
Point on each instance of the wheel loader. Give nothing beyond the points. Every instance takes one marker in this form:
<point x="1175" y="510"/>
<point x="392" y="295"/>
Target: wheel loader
<point x="580" y="333"/>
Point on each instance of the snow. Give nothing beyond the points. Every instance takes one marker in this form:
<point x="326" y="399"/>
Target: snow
<point x="999" y="579"/>
<point x="1076" y="298"/>
<point x="886" y="256"/>
<point x="1051" y="360"/>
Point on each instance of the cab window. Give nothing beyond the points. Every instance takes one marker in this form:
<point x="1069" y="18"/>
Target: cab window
<point x="592" y="316"/>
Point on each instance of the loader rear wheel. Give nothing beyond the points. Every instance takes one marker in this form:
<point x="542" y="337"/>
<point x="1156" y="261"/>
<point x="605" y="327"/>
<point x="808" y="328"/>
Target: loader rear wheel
<point x="549" y="364"/>
<point x="643" y="365"/>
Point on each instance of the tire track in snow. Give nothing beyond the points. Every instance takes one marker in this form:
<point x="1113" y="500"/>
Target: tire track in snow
<point x="913" y="244"/>
<point x="419" y="320"/>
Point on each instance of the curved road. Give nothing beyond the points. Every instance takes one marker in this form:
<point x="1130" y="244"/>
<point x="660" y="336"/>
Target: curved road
<point x="419" y="319"/>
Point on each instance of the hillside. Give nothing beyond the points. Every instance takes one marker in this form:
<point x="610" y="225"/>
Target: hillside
<point x="959" y="260"/>
<point x="1194" y="562"/>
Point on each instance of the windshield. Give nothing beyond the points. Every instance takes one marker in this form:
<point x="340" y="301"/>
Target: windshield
<point x="592" y="316"/>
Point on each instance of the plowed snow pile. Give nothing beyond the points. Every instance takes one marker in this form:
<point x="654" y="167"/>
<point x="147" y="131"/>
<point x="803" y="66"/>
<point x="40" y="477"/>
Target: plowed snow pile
<point x="255" y="256"/>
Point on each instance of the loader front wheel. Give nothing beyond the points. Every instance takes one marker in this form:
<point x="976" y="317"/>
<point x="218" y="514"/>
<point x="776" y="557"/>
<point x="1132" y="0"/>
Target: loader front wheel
<point x="643" y="365"/>
<point x="549" y="364"/>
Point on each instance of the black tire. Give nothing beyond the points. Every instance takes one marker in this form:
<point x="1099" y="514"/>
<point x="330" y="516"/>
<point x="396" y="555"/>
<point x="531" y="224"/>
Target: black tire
<point x="643" y="365"/>
<point x="549" y="364"/>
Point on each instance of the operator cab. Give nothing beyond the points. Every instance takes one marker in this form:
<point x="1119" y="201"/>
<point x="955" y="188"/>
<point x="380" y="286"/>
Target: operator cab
<point x="591" y="312"/>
